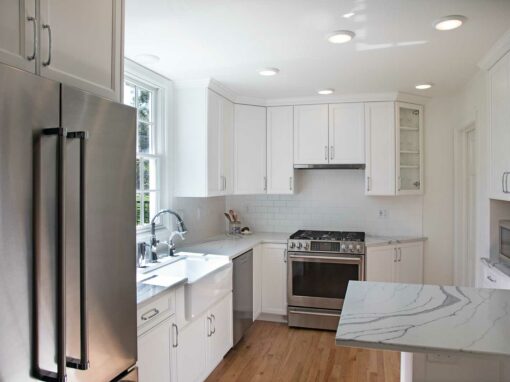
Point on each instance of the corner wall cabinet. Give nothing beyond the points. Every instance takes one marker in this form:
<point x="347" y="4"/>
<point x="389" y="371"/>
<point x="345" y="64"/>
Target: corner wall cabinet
<point x="280" y="150"/>
<point x="329" y="134"/>
<point x="499" y="77"/>
<point x="84" y="51"/>
<point x="394" y="148"/>
<point x="203" y="143"/>
<point x="402" y="263"/>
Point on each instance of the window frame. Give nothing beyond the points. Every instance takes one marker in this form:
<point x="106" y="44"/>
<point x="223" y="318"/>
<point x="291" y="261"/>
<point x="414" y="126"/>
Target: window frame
<point x="144" y="78"/>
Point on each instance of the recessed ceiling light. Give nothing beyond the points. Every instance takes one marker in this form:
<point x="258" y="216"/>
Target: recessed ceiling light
<point x="326" y="91"/>
<point x="448" y="23"/>
<point x="423" y="86"/>
<point x="339" y="37"/>
<point x="269" y="71"/>
<point x="348" y="15"/>
<point x="147" y="59"/>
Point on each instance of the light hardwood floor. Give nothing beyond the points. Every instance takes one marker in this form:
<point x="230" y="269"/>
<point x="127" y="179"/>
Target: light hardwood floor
<point x="274" y="352"/>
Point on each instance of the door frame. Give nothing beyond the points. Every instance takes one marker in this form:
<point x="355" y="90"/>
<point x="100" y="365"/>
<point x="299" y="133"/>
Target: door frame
<point x="463" y="274"/>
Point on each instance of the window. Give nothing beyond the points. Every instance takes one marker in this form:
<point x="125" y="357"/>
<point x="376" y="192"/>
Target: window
<point x="148" y="152"/>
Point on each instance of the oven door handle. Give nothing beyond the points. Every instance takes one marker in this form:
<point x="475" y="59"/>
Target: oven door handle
<point x="336" y="259"/>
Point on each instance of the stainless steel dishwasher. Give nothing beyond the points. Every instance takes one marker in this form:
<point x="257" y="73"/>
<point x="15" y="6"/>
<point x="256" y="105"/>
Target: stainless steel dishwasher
<point x="243" y="294"/>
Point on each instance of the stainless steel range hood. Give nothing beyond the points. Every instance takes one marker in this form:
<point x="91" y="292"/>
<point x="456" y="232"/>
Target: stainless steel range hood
<point x="358" y="166"/>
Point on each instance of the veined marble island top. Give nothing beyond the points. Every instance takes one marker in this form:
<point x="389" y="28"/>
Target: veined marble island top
<point x="425" y="318"/>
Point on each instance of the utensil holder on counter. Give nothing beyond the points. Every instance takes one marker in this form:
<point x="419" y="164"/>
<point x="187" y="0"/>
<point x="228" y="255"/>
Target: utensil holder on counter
<point x="234" y="228"/>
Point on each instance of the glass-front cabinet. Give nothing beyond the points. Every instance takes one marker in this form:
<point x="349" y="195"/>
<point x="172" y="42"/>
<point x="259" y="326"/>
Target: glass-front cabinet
<point x="409" y="149"/>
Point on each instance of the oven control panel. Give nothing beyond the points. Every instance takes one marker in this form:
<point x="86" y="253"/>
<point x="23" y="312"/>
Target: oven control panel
<point x="356" y="247"/>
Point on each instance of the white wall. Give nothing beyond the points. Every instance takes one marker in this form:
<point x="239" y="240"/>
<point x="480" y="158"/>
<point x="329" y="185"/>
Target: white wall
<point x="330" y="200"/>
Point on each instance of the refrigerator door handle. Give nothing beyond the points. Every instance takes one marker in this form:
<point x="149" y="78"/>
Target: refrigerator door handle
<point x="60" y="375"/>
<point x="83" y="362"/>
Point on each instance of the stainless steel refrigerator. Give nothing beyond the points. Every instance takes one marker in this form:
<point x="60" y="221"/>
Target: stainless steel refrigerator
<point x="67" y="233"/>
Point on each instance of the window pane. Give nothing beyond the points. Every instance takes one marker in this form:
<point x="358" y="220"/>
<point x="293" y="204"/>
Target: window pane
<point x="129" y="94"/>
<point x="144" y="105"/>
<point x="137" y="173"/>
<point x="138" y="209"/>
<point x="149" y="206"/>
<point x="144" y="138"/>
<point x="149" y="174"/>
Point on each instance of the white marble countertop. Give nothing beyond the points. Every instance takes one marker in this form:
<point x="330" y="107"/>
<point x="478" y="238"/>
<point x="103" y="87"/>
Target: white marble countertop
<point x="234" y="246"/>
<point x="426" y="318"/>
<point x="377" y="241"/>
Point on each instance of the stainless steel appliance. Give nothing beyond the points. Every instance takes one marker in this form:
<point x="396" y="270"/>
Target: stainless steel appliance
<point x="67" y="233"/>
<point x="243" y="294"/>
<point x="320" y="266"/>
<point x="504" y="240"/>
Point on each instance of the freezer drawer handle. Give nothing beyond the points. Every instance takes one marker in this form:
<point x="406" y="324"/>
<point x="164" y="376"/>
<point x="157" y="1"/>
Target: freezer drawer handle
<point x="83" y="362"/>
<point x="150" y="314"/>
<point x="37" y="372"/>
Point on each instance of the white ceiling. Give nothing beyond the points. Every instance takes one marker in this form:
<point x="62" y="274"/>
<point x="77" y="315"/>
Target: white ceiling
<point x="395" y="46"/>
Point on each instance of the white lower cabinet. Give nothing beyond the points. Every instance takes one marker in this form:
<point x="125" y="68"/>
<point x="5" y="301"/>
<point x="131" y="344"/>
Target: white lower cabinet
<point x="493" y="278"/>
<point x="154" y="353"/>
<point x="401" y="263"/>
<point x="176" y="350"/>
<point x="257" y="281"/>
<point x="274" y="279"/>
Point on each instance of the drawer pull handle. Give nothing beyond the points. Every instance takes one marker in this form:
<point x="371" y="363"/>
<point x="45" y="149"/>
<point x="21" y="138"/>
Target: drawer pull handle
<point x="491" y="279"/>
<point x="150" y="314"/>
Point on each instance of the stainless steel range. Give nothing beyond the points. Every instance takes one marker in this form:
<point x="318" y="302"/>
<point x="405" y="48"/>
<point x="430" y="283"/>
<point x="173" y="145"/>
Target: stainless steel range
<point x="320" y="265"/>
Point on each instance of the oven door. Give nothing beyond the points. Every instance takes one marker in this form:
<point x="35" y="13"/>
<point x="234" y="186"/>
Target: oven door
<point x="318" y="280"/>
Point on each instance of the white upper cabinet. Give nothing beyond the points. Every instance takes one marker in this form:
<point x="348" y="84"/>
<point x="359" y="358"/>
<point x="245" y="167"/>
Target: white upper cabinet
<point x="347" y="133"/>
<point x="203" y="143"/>
<point x="280" y="150"/>
<point x="380" y="148"/>
<point x="250" y="149"/>
<point x="81" y="44"/>
<point x="311" y="134"/>
<point x="17" y="38"/>
<point x="500" y="128"/>
<point x="409" y="148"/>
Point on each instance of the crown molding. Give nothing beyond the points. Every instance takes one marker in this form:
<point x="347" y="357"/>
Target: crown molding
<point x="498" y="50"/>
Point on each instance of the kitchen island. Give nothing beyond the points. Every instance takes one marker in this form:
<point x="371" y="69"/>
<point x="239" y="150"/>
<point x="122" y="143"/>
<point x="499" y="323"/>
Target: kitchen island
<point x="445" y="333"/>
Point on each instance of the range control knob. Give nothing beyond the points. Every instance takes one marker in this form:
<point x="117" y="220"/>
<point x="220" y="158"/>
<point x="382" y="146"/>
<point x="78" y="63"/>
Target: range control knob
<point x="292" y="245"/>
<point x="305" y="246"/>
<point x="343" y="248"/>
<point x="351" y="248"/>
<point x="299" y="245"/>
<point x="358" y="248"/>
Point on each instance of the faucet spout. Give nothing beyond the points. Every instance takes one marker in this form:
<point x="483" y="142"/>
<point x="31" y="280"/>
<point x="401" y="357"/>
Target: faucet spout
<point x="181" y="229"/>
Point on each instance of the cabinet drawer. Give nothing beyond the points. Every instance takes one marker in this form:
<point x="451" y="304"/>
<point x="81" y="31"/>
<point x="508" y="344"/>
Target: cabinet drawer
<point x="153" y="312"/>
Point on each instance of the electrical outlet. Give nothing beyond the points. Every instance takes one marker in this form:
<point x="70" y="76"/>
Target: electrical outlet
<point x="382" y="214"/>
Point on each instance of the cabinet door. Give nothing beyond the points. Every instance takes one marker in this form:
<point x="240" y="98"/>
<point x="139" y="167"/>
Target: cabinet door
<point x="347" y="133"/>
<point x="500" y="128"/>
<point x="380" y="148"/>
<point x="280" y="150"/>
<point x="154" y="353"/>
<point x="17" y="43"/>
<point x="274" y="279"/>
<point x="410" y="263"/>
<point x="257" y="281"/>
<point x="227" y="159"/>
<point x="311" y="134"/>
<point x="189" y="348"/>
<point x="250" y="149"/>
<point x="381" y="263"/>
<point x="221" y="336"/>
<point x="86" y="44"/>
<point x="215" y="182"/>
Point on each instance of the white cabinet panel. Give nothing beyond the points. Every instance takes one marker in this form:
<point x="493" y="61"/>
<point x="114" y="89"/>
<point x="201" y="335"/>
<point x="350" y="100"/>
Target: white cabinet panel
<point x="257" y="281"/>
<point x="280" y="150"/>
<point x="274" y="279"/>
<point x="410" y="263"/>
<point x="250" y="149"/>
<point x="221" y="333"/>
<point x="190" y="351"/>
<point x="380" y="148"/>
<point x="154" y="353"/>
<point x="500" y="128"/>
<point x="215" y="183"/>
<point x="17" y="27"/>
<point x="227" y="149"/>
<point x="311" y="134"/>
<point x="381" y="264"/>
<point x="347" y="133"/>
<point x="86" y="44"/>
